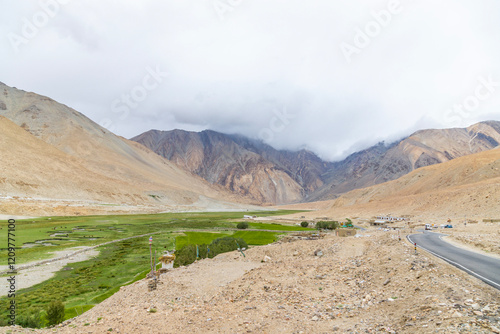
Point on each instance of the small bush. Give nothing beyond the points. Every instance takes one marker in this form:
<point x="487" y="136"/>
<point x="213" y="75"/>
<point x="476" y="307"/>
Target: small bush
<point x="184" y="256"/>
<point x="242" y="225"/>
<point x="327" y="225"/>
<point x="55" y="312"/>
<point x="187" y="254"/>
<point x="304" y="224"/>
<point x="225" y="244"/>
<point x="30" y="319"/>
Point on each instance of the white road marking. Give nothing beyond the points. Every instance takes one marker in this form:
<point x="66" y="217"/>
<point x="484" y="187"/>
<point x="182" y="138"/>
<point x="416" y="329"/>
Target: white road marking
<point x="473" y="273"/>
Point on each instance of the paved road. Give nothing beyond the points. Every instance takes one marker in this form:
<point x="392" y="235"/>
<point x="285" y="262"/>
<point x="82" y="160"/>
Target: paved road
<point x="484" y="267"/>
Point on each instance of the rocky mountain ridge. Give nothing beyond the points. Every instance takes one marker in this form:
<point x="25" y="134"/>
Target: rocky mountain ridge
<point x="256" y="170"/>
<point x="52" y="152"/>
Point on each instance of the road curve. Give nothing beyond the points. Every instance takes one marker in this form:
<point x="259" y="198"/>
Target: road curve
<point x="484" y="267"/>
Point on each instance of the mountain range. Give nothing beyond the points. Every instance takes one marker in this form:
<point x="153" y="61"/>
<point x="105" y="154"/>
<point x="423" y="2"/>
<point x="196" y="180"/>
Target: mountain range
<point x="256" y="170"/>
<point x="52" y="152"/>
<point x="463" y="188"/>
<point x="56" y="160"/>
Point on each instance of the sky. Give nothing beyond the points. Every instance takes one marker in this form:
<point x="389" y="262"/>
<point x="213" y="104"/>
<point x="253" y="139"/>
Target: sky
<point x="330" y="76"/>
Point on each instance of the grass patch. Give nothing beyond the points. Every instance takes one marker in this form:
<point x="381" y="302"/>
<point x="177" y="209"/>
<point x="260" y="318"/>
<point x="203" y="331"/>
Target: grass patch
<point x="256" y="237"/>
<point x="197" y="238"/>
<point x="277" y="227"/>
<point x="93" y="230"/>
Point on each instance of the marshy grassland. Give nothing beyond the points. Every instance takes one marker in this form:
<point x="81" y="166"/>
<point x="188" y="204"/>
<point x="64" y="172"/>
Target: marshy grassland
<point x="84" y="284"/>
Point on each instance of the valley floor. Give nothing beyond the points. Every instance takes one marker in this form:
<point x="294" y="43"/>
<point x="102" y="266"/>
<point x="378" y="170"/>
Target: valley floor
<point x="370" y="283"/>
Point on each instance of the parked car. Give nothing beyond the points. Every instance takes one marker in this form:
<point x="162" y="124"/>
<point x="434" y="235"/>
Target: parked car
<point x="448" y="226"/>
<point x="428" y="227"/>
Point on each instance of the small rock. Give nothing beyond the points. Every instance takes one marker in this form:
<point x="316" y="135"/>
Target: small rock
<point x="456" y="314"/>
<point x="495" y="329"/>
<point x="315" y="318"/>
<point x="476" y="306"/>
<point x="318" y="252"/>
<point x="387" y="281"/>
<point x="335" y="328"/>
<point x="266" y="259"/>
<point x="478" y="313"/>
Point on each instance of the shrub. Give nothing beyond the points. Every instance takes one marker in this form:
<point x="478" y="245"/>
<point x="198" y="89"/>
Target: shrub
<point x="30" y="319"/>
<point x="242" y="225"/>
<point x="304" y="224"/>
<point x="187" y="254"/>
<point x="55" y="312"/>
<point x="225" y="244"/>
<point x="327" y="225"/>
<point x="184" y="256"/>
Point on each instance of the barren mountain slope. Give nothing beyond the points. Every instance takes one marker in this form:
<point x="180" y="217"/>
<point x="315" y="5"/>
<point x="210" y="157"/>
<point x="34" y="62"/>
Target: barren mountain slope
<point x="382" y="163"/>
<point x="467" y="186"/>
<point x="230" y="161"/>
<point x="257" y="170"/>
<point x="31" y="167"/>
<point x="112" y="160"/>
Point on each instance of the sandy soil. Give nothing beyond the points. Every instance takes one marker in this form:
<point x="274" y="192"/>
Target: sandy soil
<point x="366" y="284"/>
<point x="480" y="236"/>
<point x="7" y="217"/>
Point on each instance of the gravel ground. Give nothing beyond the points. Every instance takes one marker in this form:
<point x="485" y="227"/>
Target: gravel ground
<point x="366" y="284"/>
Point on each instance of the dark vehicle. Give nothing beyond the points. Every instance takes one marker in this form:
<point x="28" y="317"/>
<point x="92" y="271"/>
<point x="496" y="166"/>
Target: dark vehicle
<point x="448" y="226"/>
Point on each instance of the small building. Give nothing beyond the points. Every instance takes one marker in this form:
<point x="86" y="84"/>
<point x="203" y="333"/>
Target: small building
<point x="379" y="222"/>
<point x="391" y="219"/>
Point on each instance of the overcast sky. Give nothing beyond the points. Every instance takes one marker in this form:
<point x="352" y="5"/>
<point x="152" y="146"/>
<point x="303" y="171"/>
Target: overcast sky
<point x="328" y="75"/>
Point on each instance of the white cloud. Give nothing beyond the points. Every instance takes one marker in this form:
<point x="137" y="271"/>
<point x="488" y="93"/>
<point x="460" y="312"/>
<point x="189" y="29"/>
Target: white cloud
<point x="232" y="74"/>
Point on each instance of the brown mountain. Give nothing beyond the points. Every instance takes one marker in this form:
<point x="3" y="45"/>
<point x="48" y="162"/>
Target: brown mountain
<point x="254" y="169"/>
<point x="239" y="164"/>
<point x="468" y="186"/>
<point x="111" y="169"/>
<point x="51" y="152"/>
<point x="382" y="163"/>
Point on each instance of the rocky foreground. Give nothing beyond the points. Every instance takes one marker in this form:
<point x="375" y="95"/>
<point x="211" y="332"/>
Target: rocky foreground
<point x="365" y="284"/>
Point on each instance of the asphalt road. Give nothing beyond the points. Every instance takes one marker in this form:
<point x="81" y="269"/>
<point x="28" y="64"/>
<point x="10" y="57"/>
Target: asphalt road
<point x="484" y="267"/>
